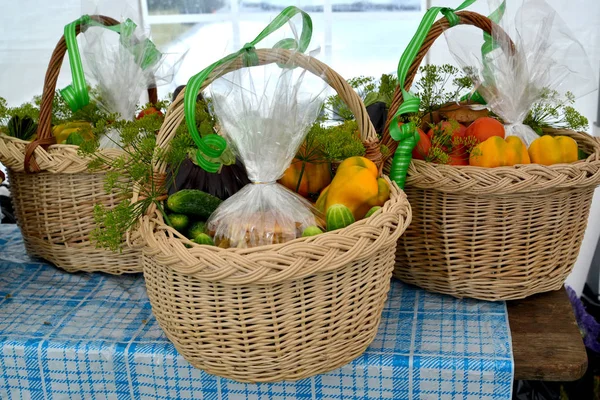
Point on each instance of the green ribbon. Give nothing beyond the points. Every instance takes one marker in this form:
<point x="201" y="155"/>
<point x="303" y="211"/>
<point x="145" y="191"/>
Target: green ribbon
<point x="145" y="54"/>
<point x="489" y="44"/>
<point x="211" y="146"/>
<point x="487" y="47"/>
<point x="407" y="135"/>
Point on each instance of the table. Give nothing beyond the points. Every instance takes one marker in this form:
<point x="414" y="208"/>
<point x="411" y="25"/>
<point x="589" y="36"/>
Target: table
<point x="546" y="340"/>
<point x="93" y="336"/>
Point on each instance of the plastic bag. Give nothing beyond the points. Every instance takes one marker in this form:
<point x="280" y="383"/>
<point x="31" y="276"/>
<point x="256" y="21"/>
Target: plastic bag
<point x="265" y="113"/>
<point x="124" y="63"/>
<point x="546" y="56"/>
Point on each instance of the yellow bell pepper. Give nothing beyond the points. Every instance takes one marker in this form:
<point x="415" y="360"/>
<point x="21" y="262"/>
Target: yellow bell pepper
<point x="356" y="186"/>
<point x="61" y="132"/>
<point x="549" y="150"/>
<point x="498" y="152"/>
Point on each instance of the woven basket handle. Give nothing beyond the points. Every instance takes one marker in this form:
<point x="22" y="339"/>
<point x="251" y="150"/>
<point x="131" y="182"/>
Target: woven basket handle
<point x="44" y="133"/>
<point x="175" y="114"/>
<point x="437" y="29"/>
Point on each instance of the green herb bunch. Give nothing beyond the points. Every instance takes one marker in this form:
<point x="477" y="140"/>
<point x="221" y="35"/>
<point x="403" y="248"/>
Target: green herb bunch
<point x="61" y="112"/>
<point x="331" y="143"/>
<point x="132" y="169"/>
<point x="555" y="111"/>
<point x="369" y="90"/>
<point x="439" y="85"/>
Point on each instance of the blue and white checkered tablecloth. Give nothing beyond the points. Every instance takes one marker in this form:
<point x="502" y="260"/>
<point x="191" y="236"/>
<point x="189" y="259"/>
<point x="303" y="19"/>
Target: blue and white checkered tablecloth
<point x="93" y="336"/>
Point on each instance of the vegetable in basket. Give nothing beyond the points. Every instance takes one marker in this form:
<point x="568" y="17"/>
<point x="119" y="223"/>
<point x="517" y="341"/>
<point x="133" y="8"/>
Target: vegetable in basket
<point x="231" y="176"/>
<point x="497" y="152"/>
<point x="265" y="113"/>
<point x="355" y="186"/>
<point x="23" y="128"/>
<point x="122" y="71"/>
<point x="512" y="76"/>
<point x="549" y="150"/>
<point x="311" y="169"/>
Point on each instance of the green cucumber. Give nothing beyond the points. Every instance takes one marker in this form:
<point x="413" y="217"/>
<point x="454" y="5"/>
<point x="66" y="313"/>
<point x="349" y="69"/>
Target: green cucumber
<point x="203" y="238"/>
<point x="312" y="231"/>
<point x="338" y="216"/>
<point x="179" y="221"/>
<point x="193" y="202"/>
<point x="371" y="211"/>
<point x="196" y="229"/>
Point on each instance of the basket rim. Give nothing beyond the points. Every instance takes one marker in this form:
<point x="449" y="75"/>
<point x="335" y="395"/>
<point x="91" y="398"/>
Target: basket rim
<point x="278" y="262"/>
<point x="522" y="178"/>
<point x="55" y="158"/>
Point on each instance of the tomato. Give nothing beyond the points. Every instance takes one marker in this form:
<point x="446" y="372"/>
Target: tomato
<point x="484" y="128"/>
<point x="149" y="111"/>
<point x="452" y="128"/>
<point x="458" y="159"/>
<point x="422" y="148"/>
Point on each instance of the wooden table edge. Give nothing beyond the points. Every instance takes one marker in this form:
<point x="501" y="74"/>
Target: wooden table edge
<point x="547" y="343"/>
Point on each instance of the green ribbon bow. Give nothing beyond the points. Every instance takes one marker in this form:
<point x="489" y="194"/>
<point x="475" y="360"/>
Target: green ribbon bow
<point x="407" y="135"/>
<point x="145" y="53"/>
<point x="212" y="146"/>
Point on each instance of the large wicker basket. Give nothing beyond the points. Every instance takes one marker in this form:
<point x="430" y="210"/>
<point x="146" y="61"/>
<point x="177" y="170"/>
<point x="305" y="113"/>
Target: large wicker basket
<point x="493" y="233"/>
<point x="54" y="194"/>
<point x="279" y="312"/>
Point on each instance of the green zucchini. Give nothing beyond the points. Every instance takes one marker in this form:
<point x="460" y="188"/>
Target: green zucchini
<point x="194" y="203"/>
<point x="179" y="221"/>
<point x="371" y="211"/>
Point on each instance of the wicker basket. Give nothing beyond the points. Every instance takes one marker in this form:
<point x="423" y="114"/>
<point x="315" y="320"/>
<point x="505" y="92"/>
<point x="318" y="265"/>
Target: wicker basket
<point x="278" y="312"/>
<point x="493" y="233"/>
<point x="54" y="194"/>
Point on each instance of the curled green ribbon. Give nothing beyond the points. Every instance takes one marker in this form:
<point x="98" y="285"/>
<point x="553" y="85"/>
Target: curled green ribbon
<point x="212" y="146"/>
<point x="145" y="53"/>
<point x="407" y="135"/>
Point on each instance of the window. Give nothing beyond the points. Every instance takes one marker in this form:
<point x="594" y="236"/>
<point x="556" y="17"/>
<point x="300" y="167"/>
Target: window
<point x="355" y="37"/>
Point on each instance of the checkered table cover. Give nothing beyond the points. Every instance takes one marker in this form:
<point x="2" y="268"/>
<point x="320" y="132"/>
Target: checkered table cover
<point x="93" y="336"/>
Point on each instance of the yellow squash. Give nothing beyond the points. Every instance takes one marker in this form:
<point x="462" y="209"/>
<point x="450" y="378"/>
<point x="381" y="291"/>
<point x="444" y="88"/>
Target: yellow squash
<point x="356" y="186"/>
<point x="549" y="150"/>
<point x="497" y="152"/>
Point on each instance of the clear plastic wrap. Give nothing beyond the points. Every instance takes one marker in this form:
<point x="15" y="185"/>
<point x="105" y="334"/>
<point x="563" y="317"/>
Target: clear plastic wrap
<point x="265" y="113"/>
<point x="546" y="56"/>
<point x="123" y="62"/>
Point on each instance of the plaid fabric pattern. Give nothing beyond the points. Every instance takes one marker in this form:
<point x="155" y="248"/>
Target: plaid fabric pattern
<point x="93" y="336"/>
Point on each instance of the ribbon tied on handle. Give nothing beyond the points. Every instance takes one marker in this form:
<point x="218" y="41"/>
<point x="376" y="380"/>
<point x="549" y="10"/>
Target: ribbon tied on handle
<point x="407" y="134"/>
<point x="145" y="52"/>
<point x="212" y="146"/>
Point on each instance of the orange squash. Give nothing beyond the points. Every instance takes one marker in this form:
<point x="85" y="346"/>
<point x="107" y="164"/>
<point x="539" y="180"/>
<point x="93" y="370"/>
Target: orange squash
<point x="315" y="177"/>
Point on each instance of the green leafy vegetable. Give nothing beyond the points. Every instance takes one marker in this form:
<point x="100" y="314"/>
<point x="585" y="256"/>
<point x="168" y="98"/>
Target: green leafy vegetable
<point x="331" y="143"/>
<point x="21" y="127"/>
<point x="135" y="168"/>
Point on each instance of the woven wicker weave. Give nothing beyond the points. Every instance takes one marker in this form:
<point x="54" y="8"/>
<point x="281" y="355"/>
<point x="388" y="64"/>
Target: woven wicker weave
<point x="54" y="204"/>
<point x="279" y="312"/>
<point x="493" y="233"/>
